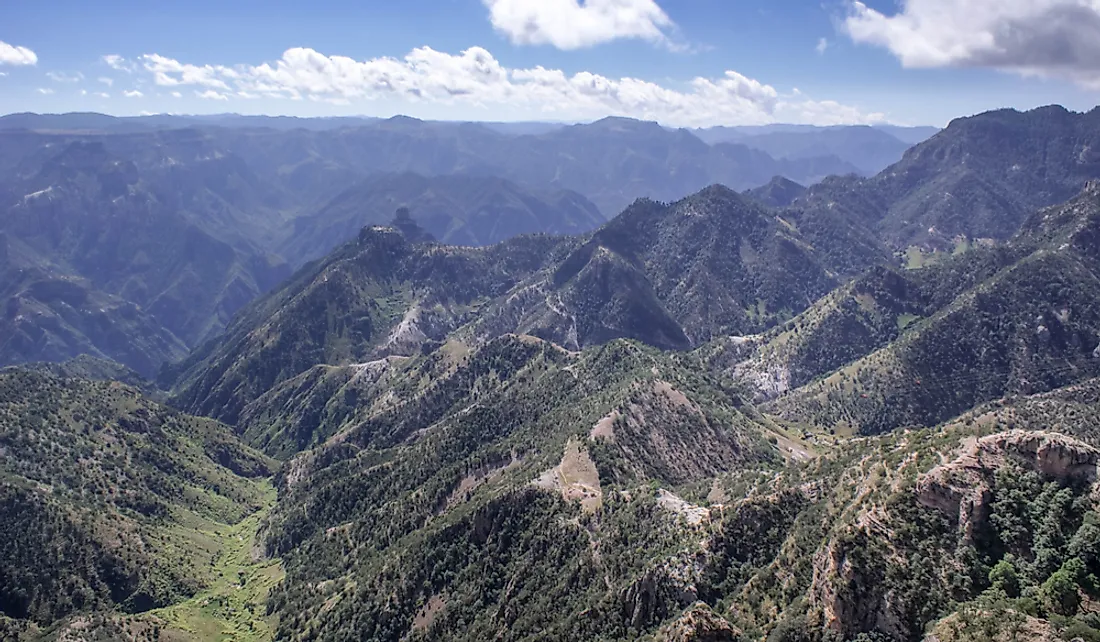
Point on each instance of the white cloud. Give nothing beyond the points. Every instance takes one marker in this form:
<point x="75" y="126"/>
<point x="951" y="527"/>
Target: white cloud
<point x="118" y="63"/>
<point x="575" y="24"/>
<point x="83" y="92"/>
<point x="170" y="73"/>
<point x="822" y="45"/>
<point x="15" y="55"/>
<point x="133" y="94"/>
<point x="106" y="81"/>
<point x="44" y="91"/>
<point x="176" y="94"/>
<point x="103" y="94"/>
<point x="3" y="73"/>
<point x="1031" y="37"/>
<point x="61" y="76"/>
<point x="474" y="78"/>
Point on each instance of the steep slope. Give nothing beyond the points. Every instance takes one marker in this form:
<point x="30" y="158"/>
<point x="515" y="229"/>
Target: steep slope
<point x="673" y="276"/>
<point x="107" y="498"/>
<point x="377" y="296"/>
<point x="973" y="528"/>
<point x="517" y="449"/>
<point x="521" y="488"/>
<point x="978" y="178"/>
<point x="853" y="321"/>
<point x="456" y="210"/>
<point x="1030" y="326"/>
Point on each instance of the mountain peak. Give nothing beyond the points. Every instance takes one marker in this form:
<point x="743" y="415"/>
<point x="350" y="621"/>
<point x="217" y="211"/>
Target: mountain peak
<point x="778" y="192"/>
<point x="410" y="229"/>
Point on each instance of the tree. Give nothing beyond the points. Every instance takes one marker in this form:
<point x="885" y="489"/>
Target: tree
<point x="1003" y="576"/>
<point x="1060" y="591"/>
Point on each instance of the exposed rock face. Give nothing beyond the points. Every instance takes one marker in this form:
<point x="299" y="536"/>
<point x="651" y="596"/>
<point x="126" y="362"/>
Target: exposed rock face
<point x="962" y="487"/>
<point x="846" y="593"/>
<point x="699" y="624"/>
<point x="648" y="599"/>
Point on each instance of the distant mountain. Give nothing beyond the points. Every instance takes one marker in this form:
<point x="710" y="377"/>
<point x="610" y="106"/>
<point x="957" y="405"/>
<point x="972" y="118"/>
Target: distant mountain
<point x="778" y="192"/>
<point x="869" y="149"/>
<point x="617" y="160"/>
<point x="670" y="275"/>
<point x="170" y="237"/>
<point x="979" y="178"/>
<point x="911" y="135"/>
<point x="457" y="210"/>
<point x="53" y="315"/>
<point x="102" y="123"/>
<point x="612" y="161"/>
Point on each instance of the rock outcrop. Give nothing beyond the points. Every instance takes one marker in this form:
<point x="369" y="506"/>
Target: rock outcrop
<point x="699" y="624"/>
<point x="962" y="487"/>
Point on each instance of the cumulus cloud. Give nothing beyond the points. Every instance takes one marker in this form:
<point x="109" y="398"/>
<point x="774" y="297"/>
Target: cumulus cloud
<point x="61" y="76"/>
<point x="133" y="94"/>
<point x="575" y="24"/>
<point x="176" y="94"/>
<point x="103" y="94"/>
<point x="475" y="78"/>
<point x="170" y="73"/>
<point x="822" y="45"/>
<point x="106" y="81"/>
<point x="44" y="91"/>
<point x="3" y="73"/>
<point x="1058" y="38"/>
<point x="15" y="55"/>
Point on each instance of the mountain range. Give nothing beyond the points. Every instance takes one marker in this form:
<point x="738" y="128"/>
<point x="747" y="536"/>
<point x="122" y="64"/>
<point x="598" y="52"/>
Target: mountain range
<point x="167" y="226"/>
<point x="855" y="408"/>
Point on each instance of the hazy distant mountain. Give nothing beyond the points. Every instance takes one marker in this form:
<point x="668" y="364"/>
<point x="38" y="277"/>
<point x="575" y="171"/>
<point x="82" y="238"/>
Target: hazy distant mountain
<point x="869" y="149"/>
<point x="911" y="135"/>
<point x="164" y="239"/>
<point x="611" y="162"/>
<point x="457" y="210"/>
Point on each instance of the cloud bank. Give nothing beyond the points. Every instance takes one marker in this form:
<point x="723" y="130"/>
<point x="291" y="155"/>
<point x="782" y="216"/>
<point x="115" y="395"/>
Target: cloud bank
<point x="476" y="79"/>
<point x="1051" y="38"/>
<point x="573" y="24"/>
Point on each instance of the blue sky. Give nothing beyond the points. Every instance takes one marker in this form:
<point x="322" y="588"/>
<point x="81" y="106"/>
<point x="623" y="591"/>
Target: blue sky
<point x="682" y="62"/>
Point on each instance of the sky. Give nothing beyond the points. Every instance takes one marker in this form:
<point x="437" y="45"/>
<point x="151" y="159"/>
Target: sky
<point x="684" y="63"/>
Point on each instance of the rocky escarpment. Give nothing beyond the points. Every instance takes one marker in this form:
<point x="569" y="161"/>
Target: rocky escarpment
<point x="907" y="539"/>
<point x="963" y="487"/>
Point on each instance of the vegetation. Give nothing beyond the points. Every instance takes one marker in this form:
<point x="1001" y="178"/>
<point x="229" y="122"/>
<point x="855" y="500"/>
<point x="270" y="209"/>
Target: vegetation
<point x="708" y="419"/>
<point x="121" y="491"/>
